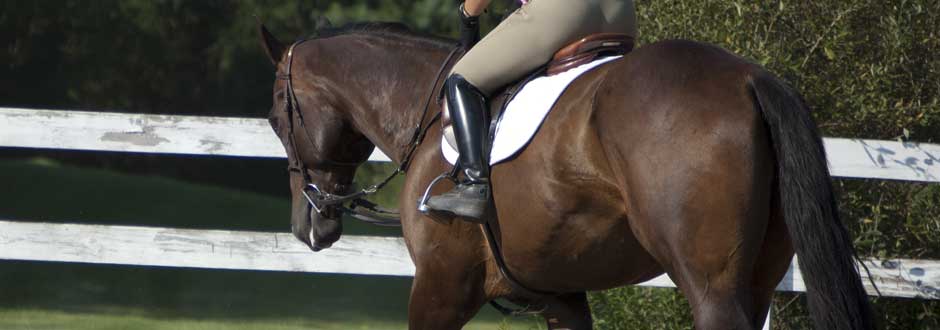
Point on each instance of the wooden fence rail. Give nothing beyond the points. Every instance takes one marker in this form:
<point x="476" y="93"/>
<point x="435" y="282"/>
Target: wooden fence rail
<point x="57" y="129"/>
<point x="222" y="249"/>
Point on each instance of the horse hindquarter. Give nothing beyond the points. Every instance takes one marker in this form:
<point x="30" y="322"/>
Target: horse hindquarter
<point x="695" y="168"/>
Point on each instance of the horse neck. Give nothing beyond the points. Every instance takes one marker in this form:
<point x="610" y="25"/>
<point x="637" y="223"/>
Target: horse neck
<point x="387" y="84"/>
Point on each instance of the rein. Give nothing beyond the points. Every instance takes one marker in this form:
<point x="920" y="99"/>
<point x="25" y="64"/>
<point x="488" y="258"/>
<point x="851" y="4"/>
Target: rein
<point x="369" y="212"/>
<point x="358" y="208"/>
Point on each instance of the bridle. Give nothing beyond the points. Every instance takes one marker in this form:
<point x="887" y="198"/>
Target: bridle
<point x="366" y="211"/>
<point x="319" y="199"/>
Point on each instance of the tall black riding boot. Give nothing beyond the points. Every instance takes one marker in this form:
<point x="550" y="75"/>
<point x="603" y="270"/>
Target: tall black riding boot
<point x="467" y="107"/>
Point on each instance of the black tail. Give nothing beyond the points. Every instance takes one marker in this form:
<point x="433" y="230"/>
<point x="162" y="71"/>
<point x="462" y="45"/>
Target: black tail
<point x="837" y="299"/>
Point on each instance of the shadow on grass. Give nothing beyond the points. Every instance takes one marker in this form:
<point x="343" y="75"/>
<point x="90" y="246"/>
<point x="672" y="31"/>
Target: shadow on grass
<point x="39" y="190"/>
<point x="201" y="294"/>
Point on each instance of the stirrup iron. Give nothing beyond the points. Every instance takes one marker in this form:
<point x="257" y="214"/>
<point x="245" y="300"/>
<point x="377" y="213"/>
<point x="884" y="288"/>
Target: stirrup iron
<point x="423" y="203"/>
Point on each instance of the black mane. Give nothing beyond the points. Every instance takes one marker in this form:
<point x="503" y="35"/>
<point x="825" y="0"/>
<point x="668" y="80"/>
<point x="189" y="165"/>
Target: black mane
<point x="385" y="29"/>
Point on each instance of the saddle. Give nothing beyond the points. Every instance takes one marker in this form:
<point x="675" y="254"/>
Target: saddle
<point x="588" y="49"/>
<point x="580" y="52"/>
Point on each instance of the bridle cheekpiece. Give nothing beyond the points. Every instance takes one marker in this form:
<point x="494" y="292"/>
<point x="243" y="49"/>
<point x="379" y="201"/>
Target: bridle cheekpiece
<point x="319" y="199"/>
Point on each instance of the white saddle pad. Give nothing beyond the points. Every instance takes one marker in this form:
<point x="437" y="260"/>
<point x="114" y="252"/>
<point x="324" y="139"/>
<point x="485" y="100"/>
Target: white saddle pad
<point x="525" y="113"/>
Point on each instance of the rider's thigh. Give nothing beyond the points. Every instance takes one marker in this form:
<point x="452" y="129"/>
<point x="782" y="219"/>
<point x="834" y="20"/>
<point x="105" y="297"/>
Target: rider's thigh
<point x="530" y="36"/>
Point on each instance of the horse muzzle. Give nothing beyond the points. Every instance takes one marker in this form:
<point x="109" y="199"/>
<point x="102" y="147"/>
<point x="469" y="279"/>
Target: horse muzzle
<point x="317" y="230"/>
<point x="326" y="227"/>
<point x="322" y="224"/>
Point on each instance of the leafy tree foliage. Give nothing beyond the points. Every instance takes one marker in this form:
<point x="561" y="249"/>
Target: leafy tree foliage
<point x="182" y="57"/>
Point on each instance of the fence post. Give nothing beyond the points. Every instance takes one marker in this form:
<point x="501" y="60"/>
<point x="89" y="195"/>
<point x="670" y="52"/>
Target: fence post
<point x="768" y="319"/>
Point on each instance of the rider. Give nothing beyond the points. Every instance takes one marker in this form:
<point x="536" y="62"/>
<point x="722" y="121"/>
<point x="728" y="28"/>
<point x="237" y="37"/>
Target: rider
<point x="521" y="43"/>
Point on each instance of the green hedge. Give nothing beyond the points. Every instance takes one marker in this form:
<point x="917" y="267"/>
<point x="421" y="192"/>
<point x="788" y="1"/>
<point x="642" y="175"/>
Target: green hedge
<point x="870" y="69"/>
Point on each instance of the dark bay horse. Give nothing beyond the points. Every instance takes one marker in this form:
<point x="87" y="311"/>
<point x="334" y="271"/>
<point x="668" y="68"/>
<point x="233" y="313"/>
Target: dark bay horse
<point x="680" y="158"/>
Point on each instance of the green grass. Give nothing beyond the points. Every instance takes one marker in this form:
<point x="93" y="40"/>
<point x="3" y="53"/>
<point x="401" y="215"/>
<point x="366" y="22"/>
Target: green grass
<point x="39" y="295"/>
<point x="41" y="320"/>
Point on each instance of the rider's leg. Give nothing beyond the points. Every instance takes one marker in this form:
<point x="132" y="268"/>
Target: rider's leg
<point x="467" y="107"/>
<point x="530" y="36"/>
<point x="524" y="41"/>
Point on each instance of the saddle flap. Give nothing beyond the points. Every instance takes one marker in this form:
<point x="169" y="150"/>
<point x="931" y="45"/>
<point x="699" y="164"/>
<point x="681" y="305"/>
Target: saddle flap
<point x="578" y="53"/>
<point x="588" y="49"/>
<point x="519" y="121"/>
<point x="497" y="104"/>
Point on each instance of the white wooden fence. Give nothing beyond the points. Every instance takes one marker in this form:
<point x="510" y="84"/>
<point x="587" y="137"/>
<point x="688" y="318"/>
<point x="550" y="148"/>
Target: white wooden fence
<point x="53" y="129"/>
<point x="250" y="137"/>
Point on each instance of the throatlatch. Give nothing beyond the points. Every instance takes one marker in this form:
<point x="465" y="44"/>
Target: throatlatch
<point x="358" y="207"/>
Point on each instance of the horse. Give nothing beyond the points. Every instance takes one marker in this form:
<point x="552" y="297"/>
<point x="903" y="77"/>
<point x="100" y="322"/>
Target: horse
<point x="679" y="158"/>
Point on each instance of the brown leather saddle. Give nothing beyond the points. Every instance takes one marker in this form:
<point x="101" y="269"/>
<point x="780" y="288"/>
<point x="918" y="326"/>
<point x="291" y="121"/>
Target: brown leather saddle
<point x="589" y="49"/>
<point x="580" y="52"/>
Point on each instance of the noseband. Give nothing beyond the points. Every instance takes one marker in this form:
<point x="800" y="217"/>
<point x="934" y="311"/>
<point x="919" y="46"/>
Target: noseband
<point x="319" y="199"/>
<point x="362" y="209"/>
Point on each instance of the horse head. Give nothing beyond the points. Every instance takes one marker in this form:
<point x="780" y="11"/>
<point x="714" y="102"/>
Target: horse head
<point x="323" y="149"/>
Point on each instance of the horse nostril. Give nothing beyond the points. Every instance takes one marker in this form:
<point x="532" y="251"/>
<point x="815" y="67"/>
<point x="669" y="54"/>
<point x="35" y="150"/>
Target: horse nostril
<point x="317" y="247"/>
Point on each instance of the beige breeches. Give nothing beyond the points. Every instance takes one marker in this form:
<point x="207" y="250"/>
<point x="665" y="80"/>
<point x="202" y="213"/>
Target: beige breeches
<point x="530" y="36"/>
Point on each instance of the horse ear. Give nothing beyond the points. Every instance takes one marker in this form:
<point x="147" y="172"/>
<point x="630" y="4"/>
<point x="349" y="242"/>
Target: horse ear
<point x="272" y="47"/>
<point x="323" y="23"/>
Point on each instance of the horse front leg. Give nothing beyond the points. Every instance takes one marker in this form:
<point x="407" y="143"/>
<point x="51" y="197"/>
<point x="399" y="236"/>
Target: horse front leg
<point x="568" y="312"/>
<point x="444" y="298"/>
